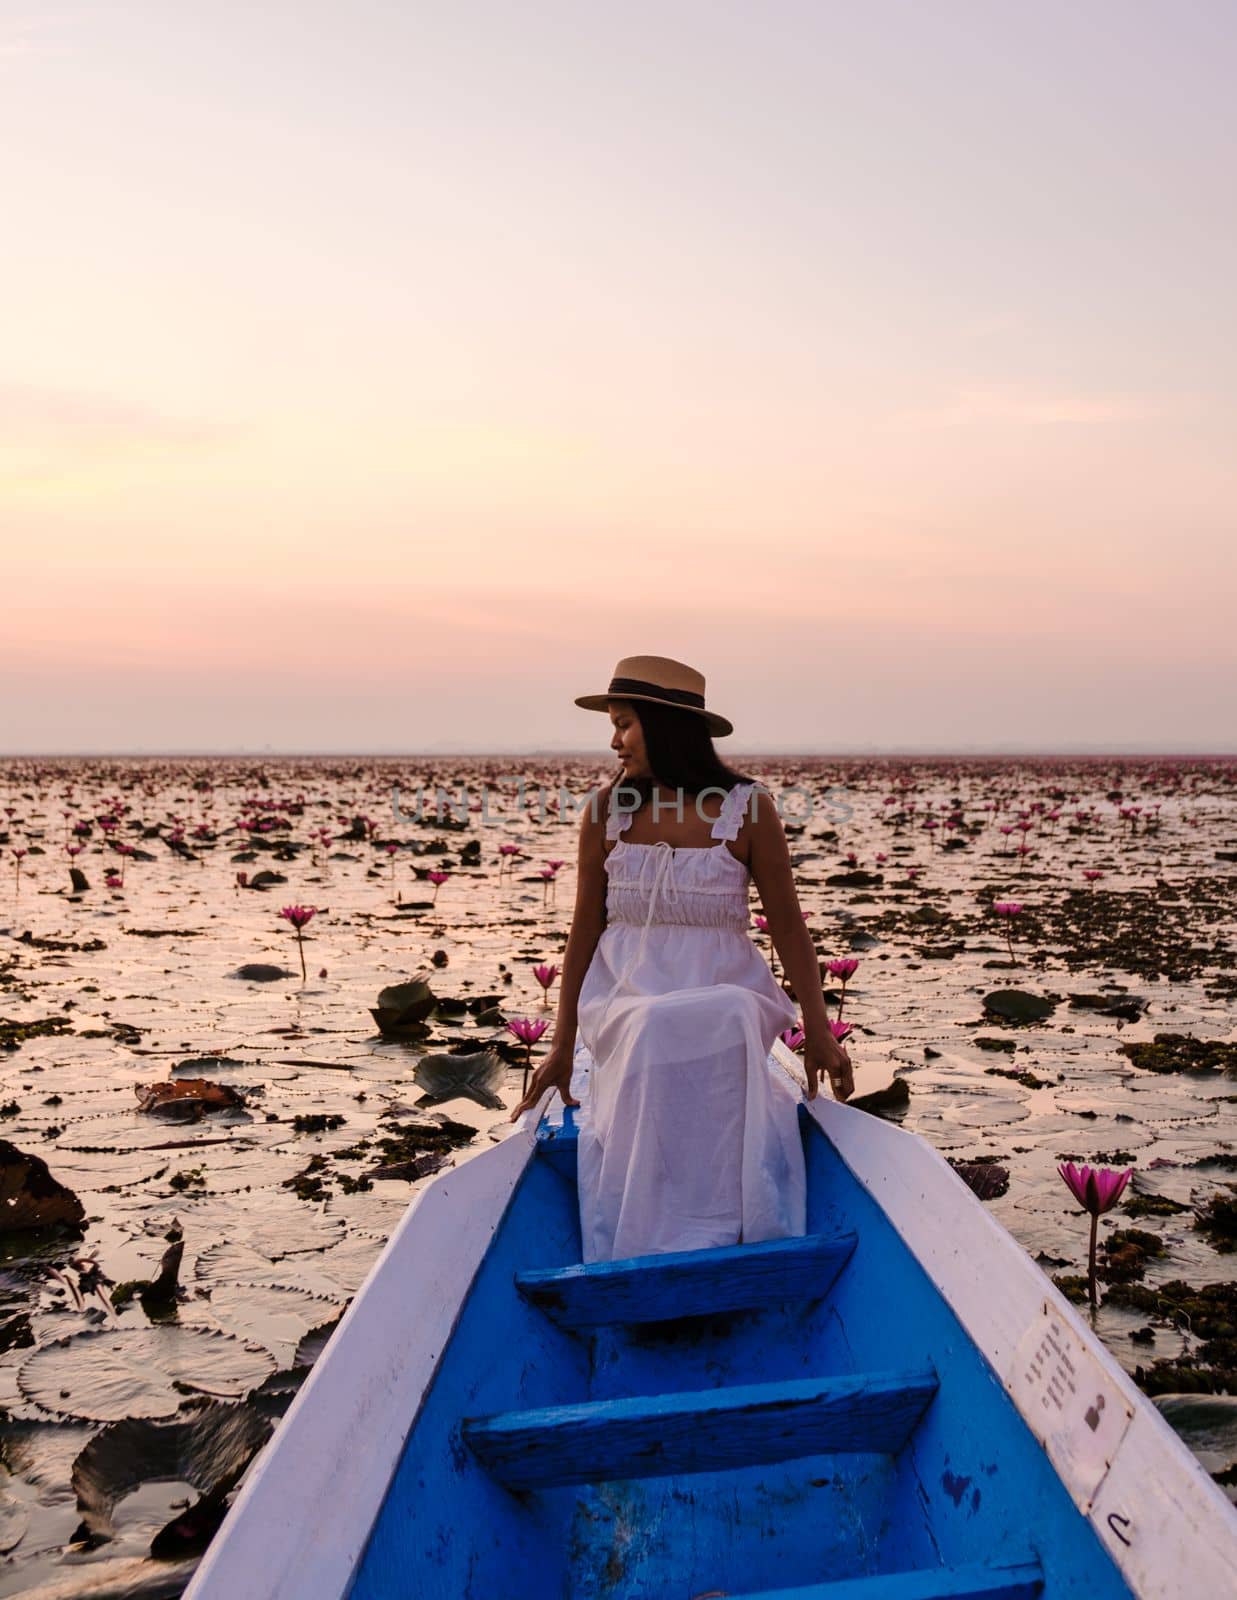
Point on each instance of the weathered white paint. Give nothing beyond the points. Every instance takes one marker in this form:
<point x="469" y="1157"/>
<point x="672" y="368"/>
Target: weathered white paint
<point x="1170" y="1530"/>
<point x="301" y="1521"/>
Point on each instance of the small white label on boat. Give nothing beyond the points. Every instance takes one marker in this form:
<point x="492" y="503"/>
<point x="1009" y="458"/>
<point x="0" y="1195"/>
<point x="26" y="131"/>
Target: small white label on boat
<point x="1070" y="1403"/>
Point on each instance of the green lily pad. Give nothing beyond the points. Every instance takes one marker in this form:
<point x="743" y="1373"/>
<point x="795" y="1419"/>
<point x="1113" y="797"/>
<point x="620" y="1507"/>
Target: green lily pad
<point x="1017" y="1006"/>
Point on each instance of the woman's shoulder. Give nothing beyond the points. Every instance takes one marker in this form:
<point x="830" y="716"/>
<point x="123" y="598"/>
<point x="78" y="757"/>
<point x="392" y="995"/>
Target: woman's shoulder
<point x="759" y="803"/>
<point x="597" y="806"/>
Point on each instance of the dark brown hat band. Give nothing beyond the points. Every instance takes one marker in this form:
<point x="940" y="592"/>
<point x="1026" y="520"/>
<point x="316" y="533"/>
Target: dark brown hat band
<point x="684" y="697"/>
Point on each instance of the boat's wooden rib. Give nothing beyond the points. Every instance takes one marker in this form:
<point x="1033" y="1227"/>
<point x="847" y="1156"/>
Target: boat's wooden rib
<point x="710" y="1430"/>
<point x="688" y="1283"/>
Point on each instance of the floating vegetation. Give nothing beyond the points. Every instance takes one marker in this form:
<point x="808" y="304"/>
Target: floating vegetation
<point x="1217" y="1218"/>
<point x="988" y="1178"/>
<point x="403" y="1008"/>
<point x="209" y="1450"/>
<point x="475" y="1076"/>
<point x="113" y="1373"/>
<point x="1179" y="1052"/>
<point x="1126" y="1253"/>
<point x="158" y="1295"/>
<point x="30" y="1198"/>
<point x="278" y="1236"/>
<point x="13" y="1034"/>
<point x="186" y="1099"/>
<point x="1209" y="1314"/>
<point x="1018" y="1007"/>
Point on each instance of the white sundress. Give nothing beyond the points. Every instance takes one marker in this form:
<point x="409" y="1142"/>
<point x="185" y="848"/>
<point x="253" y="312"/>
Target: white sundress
<point x="688" y="1133"/>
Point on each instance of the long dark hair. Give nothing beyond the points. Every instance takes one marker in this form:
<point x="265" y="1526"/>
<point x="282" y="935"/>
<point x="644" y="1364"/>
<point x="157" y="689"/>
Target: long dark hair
<point x="680" y="753"/>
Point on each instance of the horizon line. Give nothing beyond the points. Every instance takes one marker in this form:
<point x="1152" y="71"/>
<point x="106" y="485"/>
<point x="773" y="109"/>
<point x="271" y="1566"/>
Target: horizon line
<point x="460" y="753"/>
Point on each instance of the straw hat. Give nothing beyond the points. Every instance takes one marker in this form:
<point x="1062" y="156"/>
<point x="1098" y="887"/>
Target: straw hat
<point x="662" y="682"/>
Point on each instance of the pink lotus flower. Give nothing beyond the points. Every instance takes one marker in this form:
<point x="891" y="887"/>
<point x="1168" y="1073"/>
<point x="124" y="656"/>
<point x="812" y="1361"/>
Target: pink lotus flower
<point x="792" y="1038"/>
<point x="299" y="917"/>
<point x="1096" y="1189"/>
<point x="843" y="968"/>
<point x="242" y="880"/>
<point x="113" y="880"/>
<point x="437" y="879"/>
<point x="840" y="1029"/>
<point x="1009" y="909"/>
<point x="528" y="1031"/>
<point x="545" y="976"/>
<point x="1091" y="874"/>
<point x="762" y="923"/>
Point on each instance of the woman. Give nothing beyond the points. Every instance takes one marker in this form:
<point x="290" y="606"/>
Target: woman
<point x="689" y="1139"/>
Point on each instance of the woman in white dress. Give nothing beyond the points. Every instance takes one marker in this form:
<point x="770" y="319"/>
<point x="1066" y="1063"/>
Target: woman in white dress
<point x="689" y="1139"/>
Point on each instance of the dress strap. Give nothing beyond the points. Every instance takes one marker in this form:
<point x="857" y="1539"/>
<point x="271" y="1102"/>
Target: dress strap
<point x="733" y="807"/>
<point x="617" y="817"/>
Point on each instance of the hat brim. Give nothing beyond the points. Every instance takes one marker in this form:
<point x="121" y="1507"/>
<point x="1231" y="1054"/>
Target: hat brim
<point x="717" y="725"/>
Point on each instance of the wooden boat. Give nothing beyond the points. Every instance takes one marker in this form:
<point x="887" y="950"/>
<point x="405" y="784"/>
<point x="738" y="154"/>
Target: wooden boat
<point x="899" y="1406"/>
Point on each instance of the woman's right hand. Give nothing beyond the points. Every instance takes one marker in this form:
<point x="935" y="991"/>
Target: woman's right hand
<point x="553" y="1072"/>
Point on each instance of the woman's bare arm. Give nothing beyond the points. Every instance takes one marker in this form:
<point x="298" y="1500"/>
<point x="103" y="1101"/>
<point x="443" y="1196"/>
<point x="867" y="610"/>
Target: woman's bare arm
<point x="588" y="919"/>
<point x="587" y="922"/>
<point x="775" y="882"/>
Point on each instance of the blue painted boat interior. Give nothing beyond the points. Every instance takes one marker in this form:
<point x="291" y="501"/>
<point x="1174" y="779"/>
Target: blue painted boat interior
<point x="792" y="1420"/>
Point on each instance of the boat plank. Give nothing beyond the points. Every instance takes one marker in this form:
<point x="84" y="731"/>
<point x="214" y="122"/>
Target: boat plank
<point x="702" y="1431"/>
<point x="688" y="1283"/>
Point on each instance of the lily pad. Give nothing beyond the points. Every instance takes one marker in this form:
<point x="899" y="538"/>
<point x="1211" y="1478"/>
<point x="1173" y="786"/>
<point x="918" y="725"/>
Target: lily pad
<point x="114" y="1373"/>
<point x="470" y="1077"/>
<point x="182" y="1097"/>
<point x="403" y="1007"/>
<point x="1017" y="1006"/>
<point x="30" y="1197"/>
<point x="208" y="1451"/>
<point x="276" y="1316"/>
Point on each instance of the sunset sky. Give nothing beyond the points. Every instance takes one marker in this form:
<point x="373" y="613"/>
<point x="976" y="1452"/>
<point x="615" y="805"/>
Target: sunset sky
<point x="375" y="375"/>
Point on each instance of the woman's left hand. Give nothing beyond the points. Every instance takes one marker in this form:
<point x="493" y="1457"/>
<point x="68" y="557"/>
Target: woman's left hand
<point x="825" y="1058"/>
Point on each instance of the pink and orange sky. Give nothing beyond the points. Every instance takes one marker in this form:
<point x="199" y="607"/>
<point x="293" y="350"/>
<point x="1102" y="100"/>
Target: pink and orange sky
<point x="374" y="376"/>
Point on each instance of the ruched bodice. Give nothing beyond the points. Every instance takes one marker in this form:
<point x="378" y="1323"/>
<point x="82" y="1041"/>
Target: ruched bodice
<point x="691" y="885"/>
